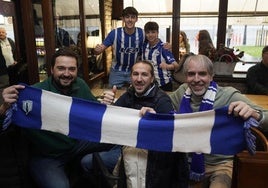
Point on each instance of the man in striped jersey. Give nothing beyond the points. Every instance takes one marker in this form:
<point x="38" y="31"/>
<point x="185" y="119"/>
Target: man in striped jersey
<point x="127" y="42"/>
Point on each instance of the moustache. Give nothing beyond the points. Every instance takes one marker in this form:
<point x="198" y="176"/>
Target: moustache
<point x="66" y="77"/>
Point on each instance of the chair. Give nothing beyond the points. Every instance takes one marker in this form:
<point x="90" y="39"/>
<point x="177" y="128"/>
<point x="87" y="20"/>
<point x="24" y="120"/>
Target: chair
<point x="251" y="171"/>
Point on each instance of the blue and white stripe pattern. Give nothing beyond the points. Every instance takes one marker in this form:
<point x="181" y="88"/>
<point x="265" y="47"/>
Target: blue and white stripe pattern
<point x="211" y="131"/>
<point x="157" y="55"/>
<point x="126" y="48"/>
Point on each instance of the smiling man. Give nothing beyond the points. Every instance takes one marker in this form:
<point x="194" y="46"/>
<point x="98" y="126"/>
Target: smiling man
<point x="146" y="168"/>
<point x="52" y="152"/>
<point x="201" y="93"/>
<point x="127" y="42"/>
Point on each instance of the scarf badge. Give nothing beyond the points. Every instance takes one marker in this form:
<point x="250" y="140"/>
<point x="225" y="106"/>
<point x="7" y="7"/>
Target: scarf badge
<point x="27" y="106"/>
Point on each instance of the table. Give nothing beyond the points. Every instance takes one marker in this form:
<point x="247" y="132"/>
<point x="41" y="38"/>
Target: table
<point x="260" y="100"/>
<point x="98" y="92"/>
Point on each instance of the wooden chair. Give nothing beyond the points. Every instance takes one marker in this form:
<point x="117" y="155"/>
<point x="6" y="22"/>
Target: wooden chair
<point x="251" y="171"/>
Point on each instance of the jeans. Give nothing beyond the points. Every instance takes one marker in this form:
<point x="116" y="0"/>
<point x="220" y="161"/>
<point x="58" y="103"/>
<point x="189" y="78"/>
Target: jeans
<point x="118" y="78"/>
<point x="49" y="172"/>
<point x="109" y="158"/>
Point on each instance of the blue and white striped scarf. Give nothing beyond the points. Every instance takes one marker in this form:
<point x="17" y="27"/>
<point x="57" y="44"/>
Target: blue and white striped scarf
<point x="197" y="170"/>
<point x="212" y="131"/>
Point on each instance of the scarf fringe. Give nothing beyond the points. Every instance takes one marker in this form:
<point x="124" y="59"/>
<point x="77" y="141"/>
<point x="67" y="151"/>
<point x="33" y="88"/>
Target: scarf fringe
<point x="8" y="119"/>
<point x="196" y="176"/>
<point x="250" y="138"/>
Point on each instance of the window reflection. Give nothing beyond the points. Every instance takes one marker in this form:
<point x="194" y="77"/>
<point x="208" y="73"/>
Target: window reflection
<point x="66" y="21"/>
<point x="67" y="31"/>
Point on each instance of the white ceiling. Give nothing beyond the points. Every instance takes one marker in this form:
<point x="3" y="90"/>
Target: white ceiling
<point x="70" y="7"/>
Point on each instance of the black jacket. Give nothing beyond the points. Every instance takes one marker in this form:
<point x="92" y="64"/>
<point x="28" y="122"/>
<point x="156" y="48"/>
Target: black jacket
<point x="164" y="169"/>
<point x="257" y="79"/>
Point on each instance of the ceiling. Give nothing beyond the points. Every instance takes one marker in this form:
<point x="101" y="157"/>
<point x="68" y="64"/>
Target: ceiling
<point x="70" y="7"/>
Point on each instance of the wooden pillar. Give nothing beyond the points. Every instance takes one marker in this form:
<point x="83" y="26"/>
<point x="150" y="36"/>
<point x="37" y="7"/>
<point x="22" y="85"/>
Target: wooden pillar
<point x="176" y="28"/>
<point x="28" y="27"/>
<point x="117" y="8"/>
<point x="83" y="40"/>
<point x="222" y="19"/>
<point x="49" y="31"/>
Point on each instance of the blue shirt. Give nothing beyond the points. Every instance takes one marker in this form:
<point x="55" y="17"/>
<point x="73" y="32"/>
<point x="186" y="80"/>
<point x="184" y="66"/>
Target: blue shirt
<point x="126" y="48"/>
<point x="156" y="55"/>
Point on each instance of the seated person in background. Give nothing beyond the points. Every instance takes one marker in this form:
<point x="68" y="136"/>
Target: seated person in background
<point x="184" y="46"/>
<point x="51" y="151"/>
<point x="149" y="168"/>
<point x="201" y="93"/>
<point x="162" y="59"/>
<point x="257" y="76"/>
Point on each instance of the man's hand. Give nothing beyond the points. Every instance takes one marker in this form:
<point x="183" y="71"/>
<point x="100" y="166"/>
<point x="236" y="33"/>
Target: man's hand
<point x="143" y="111"/>
<point x="10" y="96"/>
<point x="240" y="108"/>
<point x="167" y="46"/>
<point x="99" y="49"/>
<point x="109" y="96"/>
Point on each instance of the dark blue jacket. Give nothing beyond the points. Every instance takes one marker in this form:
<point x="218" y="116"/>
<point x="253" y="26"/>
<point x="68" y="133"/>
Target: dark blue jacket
<point x="164" y="169"/>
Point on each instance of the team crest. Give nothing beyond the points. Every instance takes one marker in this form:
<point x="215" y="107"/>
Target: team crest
<point x="27" y="106"/>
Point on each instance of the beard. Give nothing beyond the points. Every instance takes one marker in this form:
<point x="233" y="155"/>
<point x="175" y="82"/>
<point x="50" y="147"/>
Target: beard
<point x="61" y="86"/>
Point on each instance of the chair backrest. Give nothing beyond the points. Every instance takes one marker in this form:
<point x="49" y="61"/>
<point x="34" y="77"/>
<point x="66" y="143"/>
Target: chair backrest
<point x="252" y="170"/>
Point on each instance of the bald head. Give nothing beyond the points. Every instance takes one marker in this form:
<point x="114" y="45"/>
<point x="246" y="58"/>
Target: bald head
<point x="3" y="33"/>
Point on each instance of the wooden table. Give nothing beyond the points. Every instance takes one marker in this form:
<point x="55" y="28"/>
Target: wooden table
<point x="261" y="100"/>
<point x="98" y="92"/>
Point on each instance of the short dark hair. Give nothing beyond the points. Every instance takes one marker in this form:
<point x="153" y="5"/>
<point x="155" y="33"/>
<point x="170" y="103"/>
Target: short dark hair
<point x="130" y="11"/>
<point x="265" y="49"/>
<point x="151" y="26"/>
<point x="64" y="51"/>
<point x="146" y="62"/>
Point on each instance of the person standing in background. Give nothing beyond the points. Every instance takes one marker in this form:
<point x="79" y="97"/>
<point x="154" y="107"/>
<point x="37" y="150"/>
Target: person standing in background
<point x="7" y="58"/>
<point x="229" y="34"/>
<point x="162" y="59"/>
<point x="127" y="42"/>
<point x="184" y="46"/>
